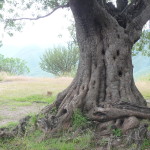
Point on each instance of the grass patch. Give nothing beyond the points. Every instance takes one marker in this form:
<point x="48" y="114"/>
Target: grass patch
<point x="146" y="144"/>
<point x="30" y="142"/>
<point x="117" y="132"/>
<point x="9" y="125"/>
<point x="143" y="84"/>
<point x="36" y="98"/>
<point x="144" y="78"/>
<point x="78" y="119"/>
<point x="144" y="88"/>
<point x="1" y="118"/>
<point x="17" y="104"/>
<point x="24" y="87"/>
<point x="3" y="76"/>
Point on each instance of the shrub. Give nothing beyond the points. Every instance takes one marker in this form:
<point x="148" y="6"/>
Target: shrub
<point x="60" y="61"/>
<point x="13" y="66"/>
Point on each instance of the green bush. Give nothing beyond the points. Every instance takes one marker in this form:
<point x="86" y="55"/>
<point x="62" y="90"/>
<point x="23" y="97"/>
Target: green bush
<point x="14" y="66"/>
<point x="60" y="61"/>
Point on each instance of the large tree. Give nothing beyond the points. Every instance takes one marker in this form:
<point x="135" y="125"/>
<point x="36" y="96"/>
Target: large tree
<point x="104" y="88"/>
<point x="104" y="80"/>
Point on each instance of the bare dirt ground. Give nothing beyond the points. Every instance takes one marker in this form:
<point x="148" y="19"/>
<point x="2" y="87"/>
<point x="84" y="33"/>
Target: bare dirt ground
<point x="10" y="115"/>
<point x="19" y="86"/>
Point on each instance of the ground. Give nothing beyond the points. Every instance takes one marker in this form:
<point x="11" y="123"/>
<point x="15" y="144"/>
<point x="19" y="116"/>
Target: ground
<point x="21" y="96"/>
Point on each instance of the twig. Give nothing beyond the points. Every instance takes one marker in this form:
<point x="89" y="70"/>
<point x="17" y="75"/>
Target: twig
<point x="40" y="17"/>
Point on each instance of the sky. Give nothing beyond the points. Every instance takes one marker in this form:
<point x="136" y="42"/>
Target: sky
<point x="44" y="32"/>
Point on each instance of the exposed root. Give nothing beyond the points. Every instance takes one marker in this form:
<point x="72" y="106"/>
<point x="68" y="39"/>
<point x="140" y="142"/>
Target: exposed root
<point x="19" y="130"/>
<point x="119" y="110"/>
<point x="137" y="135"/>
<point x="123" y="117"/>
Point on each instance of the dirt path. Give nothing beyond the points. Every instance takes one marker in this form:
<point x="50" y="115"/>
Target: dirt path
<point x="7" y="114"/>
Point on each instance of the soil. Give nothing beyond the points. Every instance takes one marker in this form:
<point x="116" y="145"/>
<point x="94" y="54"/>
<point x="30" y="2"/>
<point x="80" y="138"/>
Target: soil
<point x="10" y="115"/>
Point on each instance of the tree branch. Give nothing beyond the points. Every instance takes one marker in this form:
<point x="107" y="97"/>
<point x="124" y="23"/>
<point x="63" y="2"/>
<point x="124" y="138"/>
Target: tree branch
<point x="128" y="7"/>
<point x="40" y="17"/>
<point x="103" y="14"/>
<point x="134" y="28"/>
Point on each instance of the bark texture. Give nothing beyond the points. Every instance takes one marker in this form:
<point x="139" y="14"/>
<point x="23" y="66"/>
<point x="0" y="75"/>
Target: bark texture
<point x="104" y="88"/>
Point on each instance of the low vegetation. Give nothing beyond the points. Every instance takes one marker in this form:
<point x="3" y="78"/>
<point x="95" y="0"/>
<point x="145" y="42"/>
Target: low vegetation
<point x="31" y="143"/>
<point x="79" y="120"/>
<point x="61" y="61"/>
<point x="15" y="66"/>
<point x="2" y="76"/>
<point x="65" y="140"/>
<point x="36" y="98"/>
<point x="143" y="84"/>
<point x="27" y="91"/>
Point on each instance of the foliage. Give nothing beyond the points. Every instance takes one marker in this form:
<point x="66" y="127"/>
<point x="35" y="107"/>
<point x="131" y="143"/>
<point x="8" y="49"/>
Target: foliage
<point x="61" y="60"/>
<point x="146" y="144"/>
<point x="78" y="119"/>
<point x="117" y="132"/>
<point x="1" y="4"/>
<point x="13" y="66"/>
<point x="11" y="10"/>
<point x="143" y="45"/>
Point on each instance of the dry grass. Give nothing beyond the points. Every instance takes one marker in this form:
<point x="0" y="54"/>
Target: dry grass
<point x="3" y="76"/>
<point x="144" y="88"/>
<point x="21" y="86"/>
<point x="14" y="90"/>
<point x="15" y="87"/>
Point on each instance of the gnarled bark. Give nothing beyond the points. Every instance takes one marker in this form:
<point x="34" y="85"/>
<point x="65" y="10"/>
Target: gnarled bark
<point x="105" y="73"/>
<point x="104" y="88"/>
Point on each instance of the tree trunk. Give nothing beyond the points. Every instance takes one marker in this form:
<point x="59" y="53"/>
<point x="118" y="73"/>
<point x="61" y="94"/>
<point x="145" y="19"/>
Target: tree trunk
<point x="104" y="88"/>
<point x="105" y="72"/>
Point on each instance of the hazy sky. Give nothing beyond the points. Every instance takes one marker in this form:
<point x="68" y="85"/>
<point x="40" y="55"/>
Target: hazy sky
<point x="43" y="32"/>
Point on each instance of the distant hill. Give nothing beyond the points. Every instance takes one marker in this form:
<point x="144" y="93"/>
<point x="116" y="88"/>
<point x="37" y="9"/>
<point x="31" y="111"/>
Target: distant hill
<point x="31" y="54"/>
